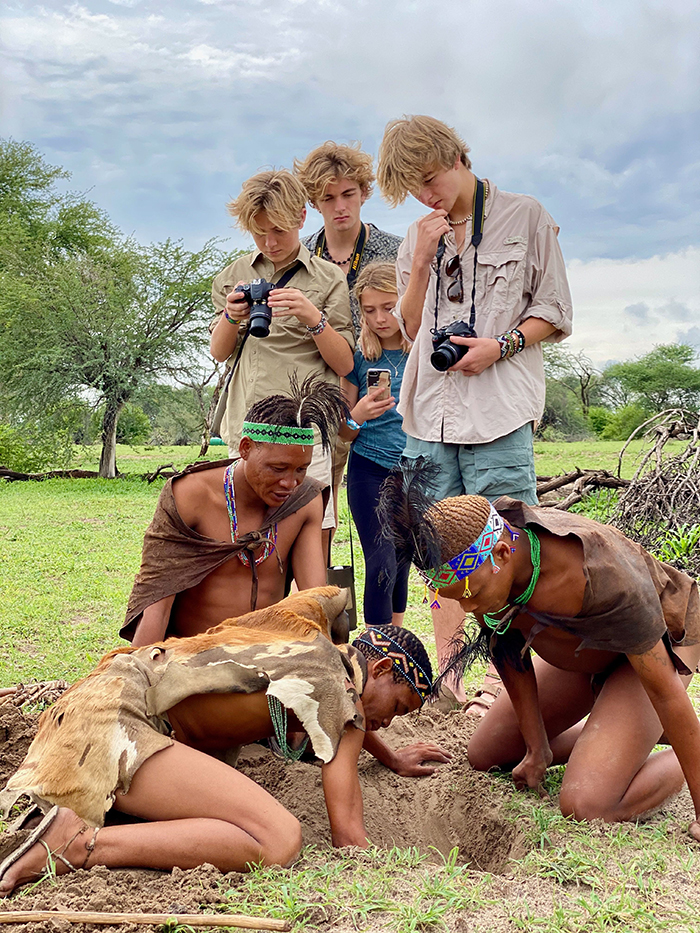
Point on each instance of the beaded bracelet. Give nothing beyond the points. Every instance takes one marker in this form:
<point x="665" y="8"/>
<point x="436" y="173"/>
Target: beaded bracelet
<point x="512" y="342"/>
<point x="231" y="320"/>
<point x="319" y="328"/>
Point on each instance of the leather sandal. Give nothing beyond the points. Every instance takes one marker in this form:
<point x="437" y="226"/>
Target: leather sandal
<point x="35" y="836"/>
<point x="483" y="699"/>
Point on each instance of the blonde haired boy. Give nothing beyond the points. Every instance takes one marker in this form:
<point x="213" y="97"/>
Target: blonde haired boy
<point x="475" y="420"/>
<point x="338" y="180"/>
<point x="311" y="332"/>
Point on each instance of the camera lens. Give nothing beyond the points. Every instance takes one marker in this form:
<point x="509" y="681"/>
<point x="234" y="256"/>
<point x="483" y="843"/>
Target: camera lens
<point x="259" y="321"/>
<point x="445" y="356"/>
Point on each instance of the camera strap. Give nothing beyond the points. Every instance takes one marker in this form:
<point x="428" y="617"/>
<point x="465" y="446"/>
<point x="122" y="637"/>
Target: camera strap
<point x="478" y="217"/>
<point x="357" y="252"/>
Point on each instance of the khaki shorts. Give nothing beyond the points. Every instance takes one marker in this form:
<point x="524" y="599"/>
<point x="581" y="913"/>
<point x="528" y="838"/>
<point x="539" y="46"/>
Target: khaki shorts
<point x="505" y="467"/>
<point x="321" y="468"/>
<point x="340" y="458"/>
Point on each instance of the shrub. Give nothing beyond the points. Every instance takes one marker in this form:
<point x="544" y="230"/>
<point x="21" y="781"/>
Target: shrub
<point x="22" y="452"/>
<point x="624" y="421"/>
<point x="599" y="418"/>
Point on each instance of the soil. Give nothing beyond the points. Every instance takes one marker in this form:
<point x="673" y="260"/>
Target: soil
<point x="454" y="807"/>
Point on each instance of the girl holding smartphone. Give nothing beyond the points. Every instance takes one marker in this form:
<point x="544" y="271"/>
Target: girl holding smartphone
<point x="375" y="428"/>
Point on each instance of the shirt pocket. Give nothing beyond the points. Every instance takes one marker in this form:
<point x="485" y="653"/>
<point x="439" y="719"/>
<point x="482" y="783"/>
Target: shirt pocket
<point x="502" y="275"/>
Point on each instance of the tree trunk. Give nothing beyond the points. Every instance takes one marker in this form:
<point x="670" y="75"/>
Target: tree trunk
<point x="108" y="457"/>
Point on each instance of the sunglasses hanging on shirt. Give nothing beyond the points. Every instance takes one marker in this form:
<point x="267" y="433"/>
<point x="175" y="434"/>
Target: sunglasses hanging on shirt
<point x="453" y="267"/>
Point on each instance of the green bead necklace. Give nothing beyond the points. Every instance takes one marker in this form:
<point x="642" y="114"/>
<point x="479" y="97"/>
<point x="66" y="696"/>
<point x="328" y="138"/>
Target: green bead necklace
<point x="491" y="620"/>
<point x="278" y="715"/>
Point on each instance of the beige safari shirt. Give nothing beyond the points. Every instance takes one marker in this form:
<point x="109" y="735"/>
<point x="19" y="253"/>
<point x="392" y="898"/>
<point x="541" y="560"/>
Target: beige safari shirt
<point x="267" y="362"/>
<point x="520" y="274"/>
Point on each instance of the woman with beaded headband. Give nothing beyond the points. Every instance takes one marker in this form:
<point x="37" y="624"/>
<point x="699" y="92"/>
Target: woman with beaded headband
<point x="615" y="632"/>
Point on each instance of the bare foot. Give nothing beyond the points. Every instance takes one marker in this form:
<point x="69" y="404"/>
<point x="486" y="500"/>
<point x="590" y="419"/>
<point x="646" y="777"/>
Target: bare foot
<point x="67" y="836"/>
<point x="694" y="830"/>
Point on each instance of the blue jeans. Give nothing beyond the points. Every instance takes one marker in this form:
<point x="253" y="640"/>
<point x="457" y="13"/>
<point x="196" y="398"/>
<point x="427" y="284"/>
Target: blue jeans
<point x="386" y="583"/>
<point x="504" y="467"/>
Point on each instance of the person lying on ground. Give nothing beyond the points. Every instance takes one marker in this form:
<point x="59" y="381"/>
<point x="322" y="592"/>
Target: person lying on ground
<point x="616" y="633"/>
<point x="225" y="535"/>
<point x="139" y="735"/>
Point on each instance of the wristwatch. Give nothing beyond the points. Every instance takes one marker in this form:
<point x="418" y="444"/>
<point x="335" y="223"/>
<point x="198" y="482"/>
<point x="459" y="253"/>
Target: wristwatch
<point x="354" y="426"/>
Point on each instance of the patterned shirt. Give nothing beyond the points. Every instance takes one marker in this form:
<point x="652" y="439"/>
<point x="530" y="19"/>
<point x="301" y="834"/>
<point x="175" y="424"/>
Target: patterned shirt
<point x="380" y="246"/>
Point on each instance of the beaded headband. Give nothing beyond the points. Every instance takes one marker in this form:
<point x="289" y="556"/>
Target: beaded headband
<point x="470" y="559"/>
<point x="278" y="434"/>
<point x="410" y="670"/>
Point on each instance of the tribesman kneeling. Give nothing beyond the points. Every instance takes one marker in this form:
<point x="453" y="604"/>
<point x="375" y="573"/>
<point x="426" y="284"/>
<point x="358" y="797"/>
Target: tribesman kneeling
<point x="617" y="634"/>
<point x="139" y="734"/>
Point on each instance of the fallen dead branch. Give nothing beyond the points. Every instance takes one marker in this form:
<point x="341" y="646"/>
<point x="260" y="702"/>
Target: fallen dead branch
<point x="12" y="475"/>
<point x="584" y="483"/>
<point x="663" y="497"/>
<point x="43" y="693"/>
<point x="99" y="917"/>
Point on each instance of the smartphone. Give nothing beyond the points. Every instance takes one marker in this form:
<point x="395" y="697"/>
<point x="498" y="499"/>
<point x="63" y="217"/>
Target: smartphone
<point x="379" y="377"/>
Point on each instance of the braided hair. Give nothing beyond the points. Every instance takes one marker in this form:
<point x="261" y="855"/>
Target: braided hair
<point x="406" y="642"/>
<point x="313" y="403"/>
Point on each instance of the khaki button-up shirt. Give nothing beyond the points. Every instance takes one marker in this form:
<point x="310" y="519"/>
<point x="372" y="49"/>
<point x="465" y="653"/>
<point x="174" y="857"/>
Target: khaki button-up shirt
<point x="267" y="362"/>
<point x="520" y="274"/>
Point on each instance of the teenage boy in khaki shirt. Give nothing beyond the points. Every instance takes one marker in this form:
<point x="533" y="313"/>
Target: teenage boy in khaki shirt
<point x="311" y="332"/>
<point x="476" y="419"/>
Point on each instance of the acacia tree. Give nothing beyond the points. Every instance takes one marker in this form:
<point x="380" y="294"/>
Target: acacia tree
<point x="666" y="377"/>
<point x="574" y="371"/>
<point x="107" y="324"/>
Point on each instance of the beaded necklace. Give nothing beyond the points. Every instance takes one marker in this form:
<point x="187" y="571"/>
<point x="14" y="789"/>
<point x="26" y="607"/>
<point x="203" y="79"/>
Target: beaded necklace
<point x="491" y="620"/>
<point x="270" y="542"/>
<point x="278" y="715"/>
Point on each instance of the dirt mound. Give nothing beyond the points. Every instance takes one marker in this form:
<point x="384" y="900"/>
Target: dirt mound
<point x="453" y="807"/>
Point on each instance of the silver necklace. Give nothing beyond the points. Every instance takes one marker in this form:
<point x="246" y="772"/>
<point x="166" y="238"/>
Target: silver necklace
<point x="458" y="223"/>
<point x="395" y="368"/>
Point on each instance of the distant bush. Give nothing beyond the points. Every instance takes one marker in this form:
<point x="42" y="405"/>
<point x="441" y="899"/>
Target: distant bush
<point x="624" y="421"/>
<point x="22" y="452"/>
<point x="599" y="419"/>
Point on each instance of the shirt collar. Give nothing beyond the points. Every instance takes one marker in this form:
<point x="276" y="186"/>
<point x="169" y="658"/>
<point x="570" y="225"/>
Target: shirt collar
<point x="265" y="266"/>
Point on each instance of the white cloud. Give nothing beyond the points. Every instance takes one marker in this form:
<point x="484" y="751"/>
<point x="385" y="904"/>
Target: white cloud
<point x="622" y="309"/>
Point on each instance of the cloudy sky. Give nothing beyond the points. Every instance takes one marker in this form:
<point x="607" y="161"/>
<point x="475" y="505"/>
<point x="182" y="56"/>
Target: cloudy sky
<point x="161" y="109"/>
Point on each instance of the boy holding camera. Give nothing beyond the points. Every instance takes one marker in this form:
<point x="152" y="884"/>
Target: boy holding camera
<point x="308" y="319"/>
<point x="489" y="262"/>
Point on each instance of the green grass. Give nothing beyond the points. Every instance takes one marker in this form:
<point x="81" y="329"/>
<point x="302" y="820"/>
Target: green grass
<point x="70" y="549"/>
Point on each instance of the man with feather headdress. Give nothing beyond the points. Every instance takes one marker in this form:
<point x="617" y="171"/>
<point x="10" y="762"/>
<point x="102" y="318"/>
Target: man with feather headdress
<point x="226" y="536"/>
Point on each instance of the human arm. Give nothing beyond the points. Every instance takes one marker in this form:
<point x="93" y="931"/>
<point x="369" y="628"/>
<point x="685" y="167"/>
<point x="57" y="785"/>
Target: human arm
<point x="153" y="623"/>
<point x="681" y="726"/>
<point x="224" y="337"/>
<point x="413" y="268"/>
<point x="308" y="564"/>
<point x="335" y="349"/>
<point x="341" y="789"/>
<point x="408" y="761"/>
<point x="521" y="686"/>
<point x="485" y="351"/>
<point x="367" y="408"/>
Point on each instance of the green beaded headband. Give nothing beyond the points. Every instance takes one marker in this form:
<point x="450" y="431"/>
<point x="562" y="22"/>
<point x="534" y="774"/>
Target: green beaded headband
<point x="278" y="434"/>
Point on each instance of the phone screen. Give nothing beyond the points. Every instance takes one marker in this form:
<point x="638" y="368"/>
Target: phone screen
<point x="379" y="377"/>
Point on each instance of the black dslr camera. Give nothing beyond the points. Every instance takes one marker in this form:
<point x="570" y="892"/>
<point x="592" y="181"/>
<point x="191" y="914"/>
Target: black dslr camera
<point x="256" y="294"/>
<point x="445" y="353"/>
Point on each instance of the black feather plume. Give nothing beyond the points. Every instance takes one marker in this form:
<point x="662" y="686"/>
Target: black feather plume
<point x="404" y="500"/>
